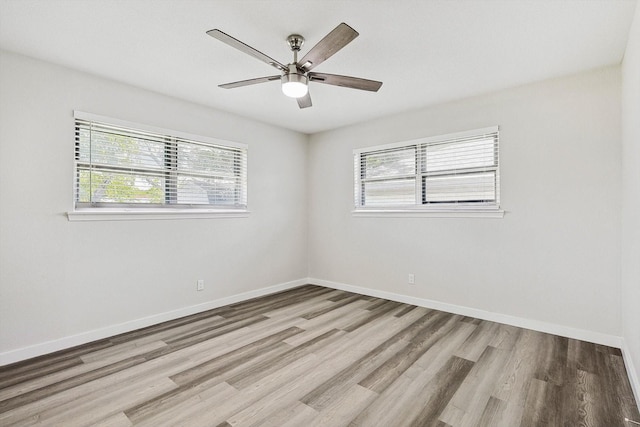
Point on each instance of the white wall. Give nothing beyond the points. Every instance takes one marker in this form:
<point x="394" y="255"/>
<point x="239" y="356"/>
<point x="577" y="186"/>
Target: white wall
<point x="555" y="256"/>
<point x="60" y="278"/>
<point x="631" y="201"/>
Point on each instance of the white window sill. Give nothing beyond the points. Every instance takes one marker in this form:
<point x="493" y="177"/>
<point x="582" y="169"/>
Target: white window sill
<point x="414" y="213"/>
<point x="152" y="214"/>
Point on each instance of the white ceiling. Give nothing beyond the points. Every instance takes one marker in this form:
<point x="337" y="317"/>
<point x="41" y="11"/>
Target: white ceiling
<point x="425" y="51"/>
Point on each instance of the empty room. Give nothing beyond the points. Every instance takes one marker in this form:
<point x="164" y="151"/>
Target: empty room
<point x="320" y="213"/>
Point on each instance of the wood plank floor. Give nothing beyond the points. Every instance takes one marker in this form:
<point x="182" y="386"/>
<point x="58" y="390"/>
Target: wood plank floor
<point x="313" y="356"/>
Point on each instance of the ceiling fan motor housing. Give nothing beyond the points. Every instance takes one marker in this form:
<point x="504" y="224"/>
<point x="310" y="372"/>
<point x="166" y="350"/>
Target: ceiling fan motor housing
<point x="294" y="83"/>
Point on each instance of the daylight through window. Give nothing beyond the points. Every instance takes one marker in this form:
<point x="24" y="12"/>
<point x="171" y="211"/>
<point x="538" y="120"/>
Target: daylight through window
<point x="119" y="166"/>
<point x="456" y="171"/>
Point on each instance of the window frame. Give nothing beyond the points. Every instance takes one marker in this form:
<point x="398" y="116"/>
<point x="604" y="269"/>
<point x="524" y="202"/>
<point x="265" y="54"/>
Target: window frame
<point x="87" y="211"/>
<point x="420" y="207"/>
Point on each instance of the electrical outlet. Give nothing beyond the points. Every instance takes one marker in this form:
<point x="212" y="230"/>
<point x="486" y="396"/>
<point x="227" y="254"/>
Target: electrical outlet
<point x="200" y="286"/>
<point x="412" y="279"/>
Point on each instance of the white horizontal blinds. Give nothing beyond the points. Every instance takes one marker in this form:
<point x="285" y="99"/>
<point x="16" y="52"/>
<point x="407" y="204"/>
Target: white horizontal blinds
<point x="119" y="166"/>
<point x="460" y="169"/>
<point x="388" y="177"/>
<point x="210" y="175"/>
<point x="116" y="165"/>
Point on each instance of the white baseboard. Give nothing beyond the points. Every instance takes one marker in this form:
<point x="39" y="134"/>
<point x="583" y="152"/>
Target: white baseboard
<point x="24" y="353"/>
<point x="632" y="372"/>
<point x="536" y="325"/>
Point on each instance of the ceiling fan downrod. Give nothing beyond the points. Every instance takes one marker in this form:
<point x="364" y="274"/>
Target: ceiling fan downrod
<point x="295" y="43"/>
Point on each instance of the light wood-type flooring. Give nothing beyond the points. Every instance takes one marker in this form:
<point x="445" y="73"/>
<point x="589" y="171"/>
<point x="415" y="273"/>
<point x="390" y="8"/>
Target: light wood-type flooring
<point x="313" y="356"/>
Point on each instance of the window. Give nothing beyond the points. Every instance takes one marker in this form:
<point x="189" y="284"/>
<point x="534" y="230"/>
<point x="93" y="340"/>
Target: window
<point x="134" y="167"/>
<point x="450" y="172"/>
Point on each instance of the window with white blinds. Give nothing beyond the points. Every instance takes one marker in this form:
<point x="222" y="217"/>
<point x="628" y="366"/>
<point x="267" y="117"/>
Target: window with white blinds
<point x="120" y="165"/>
<point x="448" y="172"/>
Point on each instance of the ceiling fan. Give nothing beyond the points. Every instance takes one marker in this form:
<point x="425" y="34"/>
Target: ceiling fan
<point x="296" y="76"/>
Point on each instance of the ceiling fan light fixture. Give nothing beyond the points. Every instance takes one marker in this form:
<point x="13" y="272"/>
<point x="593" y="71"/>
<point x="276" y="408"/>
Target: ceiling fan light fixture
<point x="294" y="85"/>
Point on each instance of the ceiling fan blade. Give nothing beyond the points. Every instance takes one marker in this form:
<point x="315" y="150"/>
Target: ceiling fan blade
<point x="249" y="82"/>
<point x="345" y="81"/>
<point x="225" y="38"/>
<point x="305" y="101"/>
<point x="338" y="38"/>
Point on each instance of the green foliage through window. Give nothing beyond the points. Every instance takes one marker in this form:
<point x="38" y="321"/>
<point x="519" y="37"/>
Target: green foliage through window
<point x="117" y="166"/>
